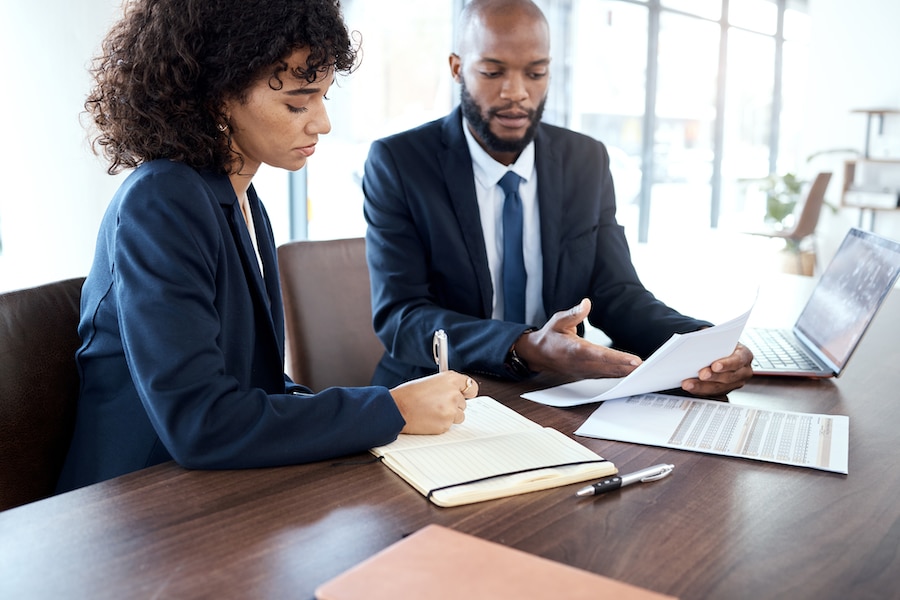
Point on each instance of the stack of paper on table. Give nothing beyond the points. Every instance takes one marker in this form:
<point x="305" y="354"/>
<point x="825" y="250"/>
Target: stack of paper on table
<point x="495" y="452"/>
<point x="786" y="437"/>
<point x="442" y="564"/>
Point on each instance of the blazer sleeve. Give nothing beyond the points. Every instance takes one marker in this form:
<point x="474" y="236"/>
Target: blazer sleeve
<point x="191" y="338"/>
<point x="422" y="273"/>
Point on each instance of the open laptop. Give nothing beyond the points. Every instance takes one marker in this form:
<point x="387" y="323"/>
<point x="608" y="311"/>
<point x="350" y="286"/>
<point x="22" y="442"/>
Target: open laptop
<point x="851" y="290"/>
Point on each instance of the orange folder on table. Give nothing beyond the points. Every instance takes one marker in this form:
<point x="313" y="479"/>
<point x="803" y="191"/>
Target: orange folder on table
<point x="442" y="564"/>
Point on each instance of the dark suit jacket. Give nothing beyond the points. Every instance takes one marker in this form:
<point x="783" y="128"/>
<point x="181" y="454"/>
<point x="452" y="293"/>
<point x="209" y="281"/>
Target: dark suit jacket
<point x="429" y="266"/>
<point x="182" y="351"/>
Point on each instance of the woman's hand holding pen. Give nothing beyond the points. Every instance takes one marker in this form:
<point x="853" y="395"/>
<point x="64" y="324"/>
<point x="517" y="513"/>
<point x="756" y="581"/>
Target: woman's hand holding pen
<point x="432" y="404"/>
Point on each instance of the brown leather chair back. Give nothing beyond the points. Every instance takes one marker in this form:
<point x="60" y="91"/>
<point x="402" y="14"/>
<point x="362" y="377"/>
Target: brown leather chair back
<point x="812" y="208"/>
<point x="329" y="337"/>
<point x="38" y="387"/>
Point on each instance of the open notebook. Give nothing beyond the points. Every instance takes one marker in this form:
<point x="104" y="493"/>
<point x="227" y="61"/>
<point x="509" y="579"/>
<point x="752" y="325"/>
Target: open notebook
<point x="851" y="290"/>
<point x="495" y="452"/>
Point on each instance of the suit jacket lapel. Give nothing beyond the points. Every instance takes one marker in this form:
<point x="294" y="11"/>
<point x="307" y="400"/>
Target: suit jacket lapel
<point x="550" y="185"/>
<point x="272" y="290"/>
<point x="232" y="210"/>
<point x="261" y="225"/>
<point x="460" y="178"/>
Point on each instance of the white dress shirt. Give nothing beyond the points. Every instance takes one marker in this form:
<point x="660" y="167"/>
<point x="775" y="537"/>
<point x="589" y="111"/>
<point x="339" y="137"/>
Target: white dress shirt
<point x="488" y="173"/>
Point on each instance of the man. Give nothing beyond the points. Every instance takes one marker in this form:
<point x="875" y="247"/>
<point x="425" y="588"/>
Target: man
<point x="438" y="225"/>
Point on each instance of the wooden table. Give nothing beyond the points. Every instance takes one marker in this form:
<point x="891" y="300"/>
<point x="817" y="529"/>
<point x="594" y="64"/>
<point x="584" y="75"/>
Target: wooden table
<point x="717" y="528"/>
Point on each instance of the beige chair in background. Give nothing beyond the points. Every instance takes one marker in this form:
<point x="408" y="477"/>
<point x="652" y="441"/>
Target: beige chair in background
<point x="329" y="339"/>
<point x="38" y="387"/>
<point x="807" y="221"/>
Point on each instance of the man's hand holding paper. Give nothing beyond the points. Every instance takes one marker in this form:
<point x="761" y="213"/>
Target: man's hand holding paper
<point x="723" y="375"/>
<point x="693" y="360"/>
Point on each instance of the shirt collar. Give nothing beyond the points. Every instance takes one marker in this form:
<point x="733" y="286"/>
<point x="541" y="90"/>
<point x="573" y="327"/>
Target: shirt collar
<point x="488" y="171"/>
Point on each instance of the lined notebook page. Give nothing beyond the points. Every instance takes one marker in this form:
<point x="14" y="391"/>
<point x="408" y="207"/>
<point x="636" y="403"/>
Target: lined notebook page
<point x="485" y="417"/>
<point x="493" y="442"/>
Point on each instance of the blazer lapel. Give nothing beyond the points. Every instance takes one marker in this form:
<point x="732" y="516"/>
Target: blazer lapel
<point x="248" y="254"/>
<point x="241" y="235"/>
<point x="550" y="185"/>
<point x="460" y="178"/>
<point x="271" y="290"/>
<point x="265" y="244"/>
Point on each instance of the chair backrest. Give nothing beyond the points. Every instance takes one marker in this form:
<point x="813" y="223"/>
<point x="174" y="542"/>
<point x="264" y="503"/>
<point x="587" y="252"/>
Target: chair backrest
<point x="329" y="337"/>
<point x="38" y="387"/>
<point x="812" y="208"/>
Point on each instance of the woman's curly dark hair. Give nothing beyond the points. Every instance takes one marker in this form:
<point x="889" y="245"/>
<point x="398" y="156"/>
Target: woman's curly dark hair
<point x="166" y="67"/>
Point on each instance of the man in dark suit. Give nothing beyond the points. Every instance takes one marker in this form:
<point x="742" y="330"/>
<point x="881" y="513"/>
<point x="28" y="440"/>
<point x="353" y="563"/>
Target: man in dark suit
<point x="437" y="227"/>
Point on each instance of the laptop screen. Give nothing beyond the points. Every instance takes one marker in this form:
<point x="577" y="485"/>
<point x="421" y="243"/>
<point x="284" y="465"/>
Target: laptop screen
<point x="864" y="269"/>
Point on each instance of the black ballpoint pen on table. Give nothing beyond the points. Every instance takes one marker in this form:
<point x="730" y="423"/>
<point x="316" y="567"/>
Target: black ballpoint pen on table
<point x="613" y="483"/>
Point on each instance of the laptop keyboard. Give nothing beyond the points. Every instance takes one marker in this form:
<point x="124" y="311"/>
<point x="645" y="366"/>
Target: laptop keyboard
<point x="775" y="349"/>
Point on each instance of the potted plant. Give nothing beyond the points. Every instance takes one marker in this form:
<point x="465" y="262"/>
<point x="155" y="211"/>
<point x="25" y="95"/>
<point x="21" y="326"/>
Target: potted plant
<point x="782" y="194"/>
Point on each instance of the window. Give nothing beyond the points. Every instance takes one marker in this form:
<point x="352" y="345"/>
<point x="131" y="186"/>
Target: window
<point x="403" y="81"/>
<point x="609" y="58"/>
<point x="723" y="84"/>
<point x="691" y="96"/>
<point x="685" y="116"/>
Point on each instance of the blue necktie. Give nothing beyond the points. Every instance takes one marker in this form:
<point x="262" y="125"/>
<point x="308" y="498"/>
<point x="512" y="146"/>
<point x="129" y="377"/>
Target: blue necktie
<point x="514" y="275"/>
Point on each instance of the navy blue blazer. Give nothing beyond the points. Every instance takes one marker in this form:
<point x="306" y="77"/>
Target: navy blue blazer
<point x="428" y="262"/>
<point x="182" y="353"/>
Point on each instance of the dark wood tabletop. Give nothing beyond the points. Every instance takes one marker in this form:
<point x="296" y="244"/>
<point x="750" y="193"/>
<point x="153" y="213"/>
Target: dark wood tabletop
<point x="719" y="527"/>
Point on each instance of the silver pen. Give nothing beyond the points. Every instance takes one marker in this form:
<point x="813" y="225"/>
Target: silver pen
<point x="613" y="483"/>
<point x="440" y="351"/>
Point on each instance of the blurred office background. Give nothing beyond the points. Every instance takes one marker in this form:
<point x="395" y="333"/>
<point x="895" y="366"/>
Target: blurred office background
<point x="696" y="100"/>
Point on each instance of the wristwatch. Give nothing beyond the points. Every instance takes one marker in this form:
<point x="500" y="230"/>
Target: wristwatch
<point x="515" y="363"/>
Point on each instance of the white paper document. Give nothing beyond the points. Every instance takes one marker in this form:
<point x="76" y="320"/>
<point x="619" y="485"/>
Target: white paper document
<point x="680" y="358"/>
<point x="790" y="438"/>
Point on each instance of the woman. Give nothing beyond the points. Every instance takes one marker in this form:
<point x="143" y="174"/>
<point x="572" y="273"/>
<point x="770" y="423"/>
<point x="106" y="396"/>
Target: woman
<point x="181" y="318"/>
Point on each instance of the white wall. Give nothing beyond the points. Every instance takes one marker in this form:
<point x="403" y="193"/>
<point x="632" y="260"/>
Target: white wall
<point x="853" y="54"/>
<point x="57" y="190"/>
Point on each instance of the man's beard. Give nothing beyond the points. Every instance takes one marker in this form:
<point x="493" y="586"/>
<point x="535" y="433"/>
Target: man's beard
<point x="482" y="127"/>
